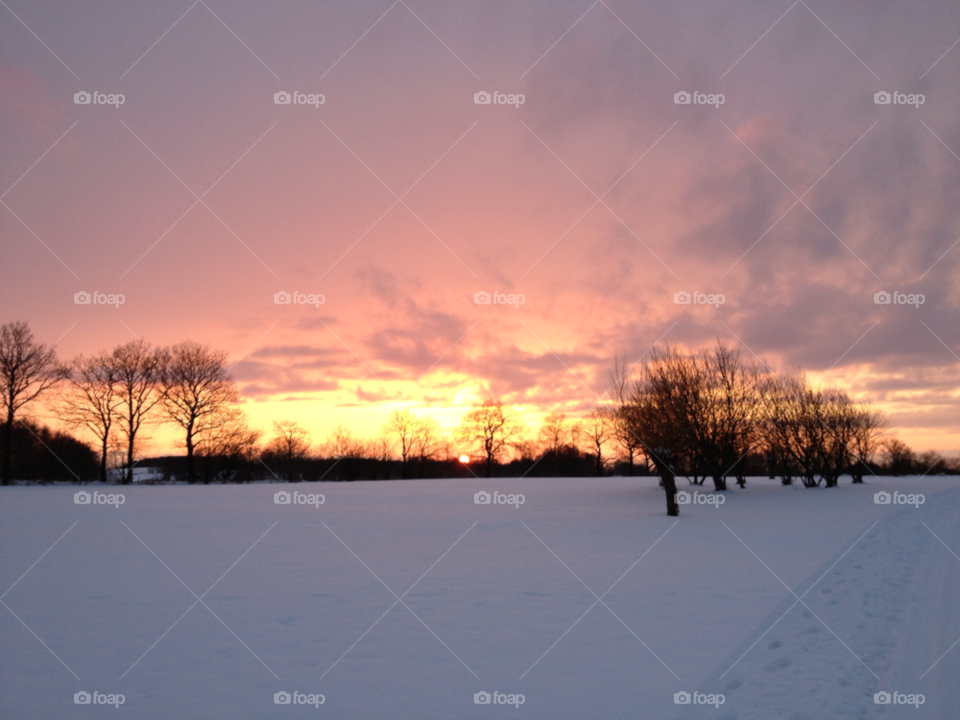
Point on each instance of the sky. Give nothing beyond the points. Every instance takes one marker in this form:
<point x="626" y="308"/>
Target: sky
<point x="586" y="208"/>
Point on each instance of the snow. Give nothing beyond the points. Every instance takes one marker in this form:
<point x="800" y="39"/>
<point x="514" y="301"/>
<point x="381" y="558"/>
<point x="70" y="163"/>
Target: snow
<point x="586" y="599"/>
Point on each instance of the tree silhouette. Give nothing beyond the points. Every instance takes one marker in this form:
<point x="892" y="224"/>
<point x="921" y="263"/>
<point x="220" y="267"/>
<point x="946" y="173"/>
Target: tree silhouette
<point x="28" y="369"/>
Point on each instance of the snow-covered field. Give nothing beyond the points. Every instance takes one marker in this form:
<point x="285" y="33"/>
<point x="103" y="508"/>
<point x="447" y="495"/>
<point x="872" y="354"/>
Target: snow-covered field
<point x="405" y="599"/>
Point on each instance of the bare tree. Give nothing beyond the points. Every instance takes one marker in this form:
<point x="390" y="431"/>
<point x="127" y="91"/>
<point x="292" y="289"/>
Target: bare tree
<point x="290" y="444"/>
<point x="340" y="444"/>
<point x="490" y="428"/>
<point x="138" y="371"/>
<point x="427" y="444"/>
<point x="197" y="393"/>
<point x="622" y="413"/>
<point x="900" y="459"/>
<point x="227" y="448"/>
<point x="813" y="430"/>
<point x="594" y="432"/>
<point x="27" y="370"/>
<point x="402" y="425"/>
<point x="867" y="431"/>
<point x="90" y="401"/>
<point x="554" y="436"/>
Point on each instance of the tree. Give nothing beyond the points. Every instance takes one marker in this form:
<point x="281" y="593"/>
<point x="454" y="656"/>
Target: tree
<point x="900" y="459"/>
<point x="290" y="445"/>
<point x="90" y="401"/>
<point x="868" y="427"/>
<point x="594" y="432"/>
<point x="341" y="444"/>
<point x="490" y="428"/>
<point x="655" y="419"/>
<point x="28" y="369"/>
<point x="42" y="454"/>
<point x="198" y="393"/>
<point x="554" y="436"/>
<point x="812" y="429"/>
<point x="138" y="370"/>
<point x="227" y="448"/>
<point x="622" y="414"/>
<point x="427" y="444"/>
<point x="402" y="426"/>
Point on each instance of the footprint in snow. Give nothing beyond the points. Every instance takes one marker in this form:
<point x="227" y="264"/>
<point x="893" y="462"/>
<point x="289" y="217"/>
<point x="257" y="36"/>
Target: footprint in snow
<point x="779" y="664"/>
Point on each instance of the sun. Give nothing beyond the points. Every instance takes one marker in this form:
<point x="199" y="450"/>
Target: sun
<point x="465" y="459"/>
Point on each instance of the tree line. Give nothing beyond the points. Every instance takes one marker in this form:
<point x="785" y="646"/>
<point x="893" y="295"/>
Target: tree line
<point x="703" y="414"/>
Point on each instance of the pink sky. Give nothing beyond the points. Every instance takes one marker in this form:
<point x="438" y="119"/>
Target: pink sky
<point x="400" y="198"/>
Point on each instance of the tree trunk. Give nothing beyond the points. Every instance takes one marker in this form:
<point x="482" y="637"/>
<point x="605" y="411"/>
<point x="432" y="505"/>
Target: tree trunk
<point x="719" y="482"/>
<point x="7" y="438"/>
<point x="670" y="488"/>
<point x="669" y="483"/>
<point x="128" y="471"/>
<point x="103" y="459"/>
<point x="191" y="478"/>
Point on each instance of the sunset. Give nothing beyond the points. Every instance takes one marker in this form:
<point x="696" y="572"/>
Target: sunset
<point x="405" y="254"/>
